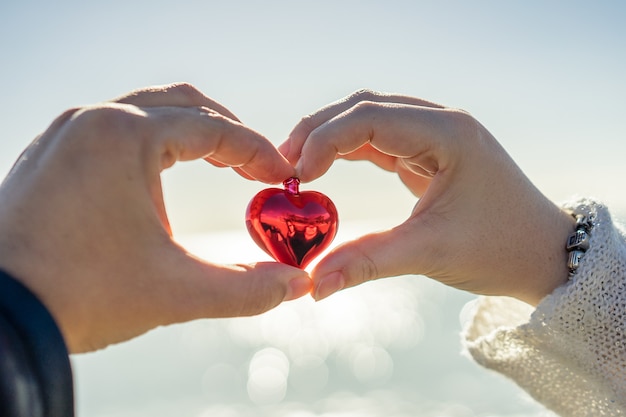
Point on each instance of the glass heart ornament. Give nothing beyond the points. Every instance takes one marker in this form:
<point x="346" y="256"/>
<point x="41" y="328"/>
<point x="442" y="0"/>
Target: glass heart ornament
<point x="292" y="226"/>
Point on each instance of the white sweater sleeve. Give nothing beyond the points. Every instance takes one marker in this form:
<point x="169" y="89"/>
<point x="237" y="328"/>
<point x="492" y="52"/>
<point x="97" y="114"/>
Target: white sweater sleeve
<point x="570" y="352"/>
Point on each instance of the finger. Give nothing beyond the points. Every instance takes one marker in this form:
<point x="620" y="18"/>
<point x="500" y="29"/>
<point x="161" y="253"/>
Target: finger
<point x="192" y="133"/>
<point x="385" y="254"/>
<point x="292" y="147"/>
<point x="183" y="95"/>
<point x="170" y="286"/>
<point x="173" y="95"/>
<point x="206" y="290"/>
<point x="417" y="184"/>
<point x="369" y="153"/>
<point x="221" y="165"/>
<point x="422" y="135"/>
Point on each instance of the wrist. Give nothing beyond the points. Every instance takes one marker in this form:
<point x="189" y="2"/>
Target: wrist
<point x="551" y="269"/>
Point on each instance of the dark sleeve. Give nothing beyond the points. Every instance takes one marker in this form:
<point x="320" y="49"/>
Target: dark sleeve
<point x="35" y="372"/>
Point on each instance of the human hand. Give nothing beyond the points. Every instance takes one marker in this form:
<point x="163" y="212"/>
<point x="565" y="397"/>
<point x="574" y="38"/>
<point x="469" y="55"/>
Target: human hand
<point x="479" y="224"/>
<point x="83" y="223"/>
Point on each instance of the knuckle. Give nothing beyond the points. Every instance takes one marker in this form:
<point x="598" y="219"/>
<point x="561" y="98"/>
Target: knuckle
<point x="62" y="120"/>
<point x="475" y="137"/>
<point x="462" y="120"/>
<point x="364" y="269"/>
<point x="104" y="118"/>
<point x="67" y="115"/>
<point x="307" y="122"/>
<point x="258" y="298"/>
<point x="224" y="130"/>
<point x="365" y="110"/>
<point x="368" y="270"/>
<point x="107" y="126"/>
<point x="364" y="94"/>
<point x="186" y="90"/>
<point x="366" y="106"/>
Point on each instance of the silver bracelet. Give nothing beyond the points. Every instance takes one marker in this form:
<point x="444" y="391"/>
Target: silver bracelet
<point x="578" y="242"/>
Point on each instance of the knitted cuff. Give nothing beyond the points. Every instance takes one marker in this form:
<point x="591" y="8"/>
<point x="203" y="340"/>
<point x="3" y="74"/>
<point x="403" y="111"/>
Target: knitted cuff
<point x="570" y="352"/>
<point x="35" y="371"/>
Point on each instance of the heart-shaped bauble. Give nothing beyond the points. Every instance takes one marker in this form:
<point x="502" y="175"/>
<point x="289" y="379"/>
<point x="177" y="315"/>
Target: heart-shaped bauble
<point x="293" y="227"/>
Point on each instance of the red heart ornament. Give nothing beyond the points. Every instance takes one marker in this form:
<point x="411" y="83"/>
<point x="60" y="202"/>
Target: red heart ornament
<point x="293" y="227"/>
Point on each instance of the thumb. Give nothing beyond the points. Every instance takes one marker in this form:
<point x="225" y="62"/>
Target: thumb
<point x="213" y="291"/>
<point x="384" y="254"/>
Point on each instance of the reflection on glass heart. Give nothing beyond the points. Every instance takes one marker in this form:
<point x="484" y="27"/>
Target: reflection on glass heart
<point x="292" y="226"/>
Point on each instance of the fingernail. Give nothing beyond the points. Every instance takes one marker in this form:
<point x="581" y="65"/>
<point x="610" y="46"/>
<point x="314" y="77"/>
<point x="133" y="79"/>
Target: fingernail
<point x="298" y="287"/>
<point x="328" y="285"/>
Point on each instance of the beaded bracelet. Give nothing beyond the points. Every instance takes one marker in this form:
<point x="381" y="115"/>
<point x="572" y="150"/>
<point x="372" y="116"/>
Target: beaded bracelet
<point x="578" y="242"/>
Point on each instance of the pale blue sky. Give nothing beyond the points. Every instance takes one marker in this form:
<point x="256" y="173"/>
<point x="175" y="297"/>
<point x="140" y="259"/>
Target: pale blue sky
<point x="547" y="78"/>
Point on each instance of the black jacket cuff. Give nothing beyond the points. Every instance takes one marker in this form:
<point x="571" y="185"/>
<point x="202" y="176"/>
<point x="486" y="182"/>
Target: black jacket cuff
<point x="35" y="370"/>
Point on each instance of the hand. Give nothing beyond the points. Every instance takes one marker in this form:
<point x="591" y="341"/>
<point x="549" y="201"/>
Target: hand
<point x="479" y="224"/>
<point x="83" y="224"/>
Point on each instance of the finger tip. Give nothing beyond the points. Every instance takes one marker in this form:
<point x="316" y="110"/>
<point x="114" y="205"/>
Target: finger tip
<point x="298" y="287"/>
<point x="328" y="285"/>
<point x="278" y="173"/>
